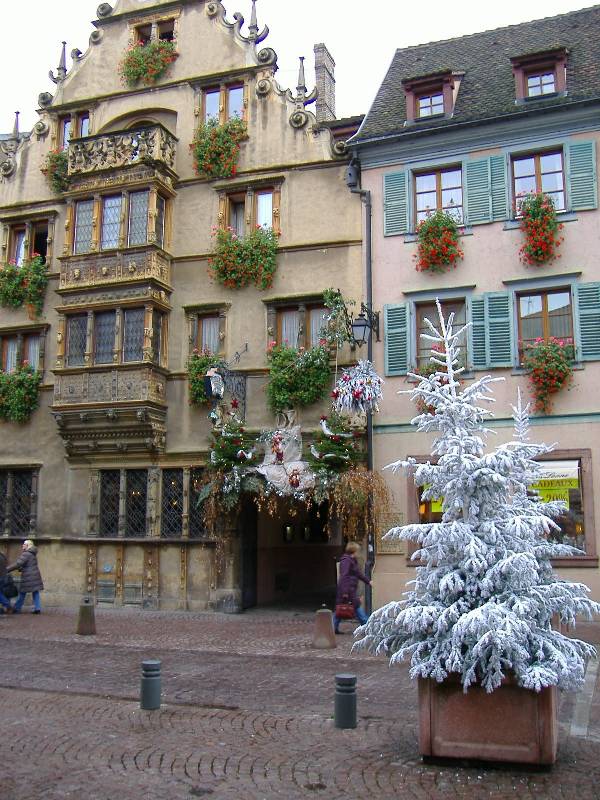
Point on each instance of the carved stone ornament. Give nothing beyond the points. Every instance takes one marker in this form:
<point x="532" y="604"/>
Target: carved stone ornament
<point x="41" y="128"/>
<point x="96" y="37"/>
<point x="121" y="149"/>
<point x="263" y="87"/>
<point x="339" y="149"/>
<point x="104" y="10"/>
<point x="299" y="119"/>
<point x="45" y="99"/>
<point x="8" y="167"/>
<point x="212" y="9"/>
<point x="267" y="57"/>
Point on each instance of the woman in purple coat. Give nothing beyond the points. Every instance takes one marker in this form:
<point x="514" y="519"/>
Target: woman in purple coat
<point x="350" y="575"/>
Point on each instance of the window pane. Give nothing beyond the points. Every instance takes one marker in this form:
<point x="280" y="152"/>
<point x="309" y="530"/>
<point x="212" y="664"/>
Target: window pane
<point x="451" y="197"/>
<point x="237" y="214"/>
<point x="235" y="104"/>
<point x="84" y="125"/>
<point x="264" y="209"/>
<point x="20" y="507"/>
<point x="552" y="182"/>
<point x="76" y="340"/>
<point x="524" y="166"/>
<point x="451" y="179"/>
<point x="157" y="332"/>
<point x="562" y="481"/>
<point x="560" y="317"/>
<point x="109" y="502"/>
<point x="133" y="334"/>
<point x="289" y="327"/>
<point x="211" y="105"/>
<point x="138" y="217"/>
<point x="65" y="131"/>
<point x="534" y="89"/>
<point x="210" y="334"/>
<point x="10" y="354"/>
<point x="551" y="162"/>
<point x="104" y="337"/>
<point x="111" y="221"/>
<point x="136" y="481"/>
<point x="525" y="185"/>
<point x="172" y="503"/>
<point x="317" y="321"/>
<point x="558" y="198"/>
<point x="426" y="200"/>
<point x="84" y="211"/>
<point x="425" y="183"/>
<point x="31" y="351"/>
<point x="530" y="311"/>
<point x="196" y="520"/>
<point x="19" y="249"/>
<point x="160" y="220"/>
<point x="40" y="240"/>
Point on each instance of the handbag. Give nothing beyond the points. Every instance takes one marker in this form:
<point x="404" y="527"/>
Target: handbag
<point x="8" y="589"/>
<point x="345" y="610"/>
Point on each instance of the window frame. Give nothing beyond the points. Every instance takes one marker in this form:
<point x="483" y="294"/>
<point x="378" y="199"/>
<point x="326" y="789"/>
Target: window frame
<point x="537" y="155"/>
<point x="223" y="91"/>
<point x="30" y="523"/>
<point x="248" y="194"/>
<point x="438" y="172"/>
<point x="550" y="61"/>
<point x="303" y="307"/>
<point x="430" y="95"/>
<point x="23" y="336"/>
<point x="544" y="292"/>
<point x="446" y="83"/>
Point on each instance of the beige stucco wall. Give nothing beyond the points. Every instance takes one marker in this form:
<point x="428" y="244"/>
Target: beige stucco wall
<point x="320" y="247"/>
<point x="490" y="257"/>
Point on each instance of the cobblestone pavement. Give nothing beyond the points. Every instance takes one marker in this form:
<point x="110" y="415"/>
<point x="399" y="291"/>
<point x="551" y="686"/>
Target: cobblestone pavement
<point x="246" y="715"/>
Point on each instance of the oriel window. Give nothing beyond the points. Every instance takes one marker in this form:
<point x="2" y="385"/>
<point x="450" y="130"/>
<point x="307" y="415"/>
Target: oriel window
<point x="84" y="214"/>
<point x="111" y="221"/>
<point x="76" y="340"/>
<point x="133" y="334"/>
<point x="138" y="218"/>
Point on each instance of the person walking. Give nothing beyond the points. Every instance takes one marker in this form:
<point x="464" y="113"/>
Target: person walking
<point x="4" y="601"/>
<point x="347" y="587"/>
<point x="31" y="580"/>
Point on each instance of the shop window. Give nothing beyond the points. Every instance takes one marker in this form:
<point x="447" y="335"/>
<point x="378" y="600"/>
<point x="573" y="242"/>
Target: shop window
<point x="17" y="502"/>
<point x="540" y="172"/>
<point x="562" y="480"/>
<point x="544" y="315"/>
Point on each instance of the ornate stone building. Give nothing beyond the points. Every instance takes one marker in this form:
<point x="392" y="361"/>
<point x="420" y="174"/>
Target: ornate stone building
<point x="105" y="474"/>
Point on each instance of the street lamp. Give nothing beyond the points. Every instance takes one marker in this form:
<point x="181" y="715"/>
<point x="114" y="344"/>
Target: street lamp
<point x="366" y="321"/>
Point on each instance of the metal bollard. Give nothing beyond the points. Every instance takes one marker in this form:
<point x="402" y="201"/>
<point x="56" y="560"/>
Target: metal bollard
<point x="150" y="686"/>
<point x="345" y="701"/>
<point x="86" y="621"/>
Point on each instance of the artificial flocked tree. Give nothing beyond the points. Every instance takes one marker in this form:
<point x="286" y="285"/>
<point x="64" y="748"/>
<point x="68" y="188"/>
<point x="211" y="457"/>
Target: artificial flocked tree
<point x="485" y="596"/>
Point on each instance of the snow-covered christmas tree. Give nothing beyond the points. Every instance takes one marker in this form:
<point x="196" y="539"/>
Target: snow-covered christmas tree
<point x="485" y="595"/>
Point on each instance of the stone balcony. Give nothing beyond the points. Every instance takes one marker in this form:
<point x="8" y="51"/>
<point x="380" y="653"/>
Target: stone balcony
<point x="116" y="267"/>
<point x="100" y="385"/>
<point x="107" y="151"/>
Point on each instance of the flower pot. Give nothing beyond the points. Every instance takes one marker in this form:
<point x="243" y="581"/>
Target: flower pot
<point x="511" y="724"/>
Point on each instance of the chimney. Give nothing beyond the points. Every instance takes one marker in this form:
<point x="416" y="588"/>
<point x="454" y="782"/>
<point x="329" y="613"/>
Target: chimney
<point x="325" y="82"/>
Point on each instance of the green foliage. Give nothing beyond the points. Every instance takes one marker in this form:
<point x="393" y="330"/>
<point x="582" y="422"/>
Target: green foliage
<point x="334" y="449"/>
<point x="337" y="330"/>
<point x="227" y="446"/>
<point x="297" y="377"/>
<point x="197" y="366"/>
<point x="56" y="169"/>
<point x="147" y="62"/>
<point x="215" y="147"/>
<point x="238" y="262"/>
<point x="24" y="284"/>
<point x="550" y="365"/>
<point x="19" y="394"/>
<point x="437" y="237"/>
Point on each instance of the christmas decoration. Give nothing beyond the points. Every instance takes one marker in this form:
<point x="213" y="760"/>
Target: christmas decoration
<point x="358" y="390"/>
<point x="334" y="449"/>
<point x="482" y="604"/>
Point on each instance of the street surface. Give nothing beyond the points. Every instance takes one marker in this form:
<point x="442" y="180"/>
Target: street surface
<point x="247" y="714"/>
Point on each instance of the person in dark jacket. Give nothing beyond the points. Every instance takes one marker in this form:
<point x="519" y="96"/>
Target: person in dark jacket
<point x="4" y="601"/>
<point x="31" y="580"/>
<point x="347" y="586"/>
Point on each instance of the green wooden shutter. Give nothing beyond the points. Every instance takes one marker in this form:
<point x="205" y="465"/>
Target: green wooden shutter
<point x="396" y="338"/>
<point x="581" y="175"/>
<point x="499" y="193"/>
<point x="478" y="189"/>
<point x="499" y="329"/>
<point x="477" y="346"/>
<point x="395" y="203"/>
<point x="587" y="306"/>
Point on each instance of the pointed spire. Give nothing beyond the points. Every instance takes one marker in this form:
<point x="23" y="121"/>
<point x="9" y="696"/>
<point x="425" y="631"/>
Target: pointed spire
<point x="61" y="72"/>
<point x="16" y="126"/>
<point x="253" y="27"/>
<point x="301" y="88"/>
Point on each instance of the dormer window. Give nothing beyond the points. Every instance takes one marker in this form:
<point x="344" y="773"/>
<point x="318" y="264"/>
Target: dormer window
<point x="431" y="95"/>
<point x="155" y="28"/>
<point x="540" y="75"/>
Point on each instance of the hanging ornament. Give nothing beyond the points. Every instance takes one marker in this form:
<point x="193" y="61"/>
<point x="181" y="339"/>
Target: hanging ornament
<point x="358" y="390"/>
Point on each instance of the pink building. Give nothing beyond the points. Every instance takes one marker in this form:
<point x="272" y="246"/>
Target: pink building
<point x="467" y="126"/>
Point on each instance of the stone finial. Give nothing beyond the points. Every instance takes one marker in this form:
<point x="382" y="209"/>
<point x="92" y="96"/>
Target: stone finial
<point x="253" y="33"/>
<point x="301" y="87"/>
<point x="16" y="126"/>
<point x="61" y="70"/>
<point x="299" y="117"/>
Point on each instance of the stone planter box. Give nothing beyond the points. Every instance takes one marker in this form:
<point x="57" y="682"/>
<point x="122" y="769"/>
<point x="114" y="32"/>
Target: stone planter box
<point x="511" y="724"/>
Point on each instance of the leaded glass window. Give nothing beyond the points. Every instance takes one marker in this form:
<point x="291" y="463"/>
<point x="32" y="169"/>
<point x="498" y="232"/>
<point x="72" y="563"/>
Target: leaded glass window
<point x="157" y="336"/>
<point x="19" y="512"/>
<point x="104" y="337"/>
<point x="76" y="340"/>
<point x="84" y="213"/>
<point x="110" y="480"/>
<point x="196" y="521"/>
<point x="138" y="218"/>
<point x="136" y="486"/>
<point x="111" y="221"/>
<point x="133" y="334"/>
<point x="160" y="220"/>
<point x="172" y="503"/>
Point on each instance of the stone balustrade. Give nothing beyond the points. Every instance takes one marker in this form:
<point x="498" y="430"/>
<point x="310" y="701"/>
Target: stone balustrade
<point x="101" y="269"/>
<point x="140" y="383"/>
<point x="116" y="149"/>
